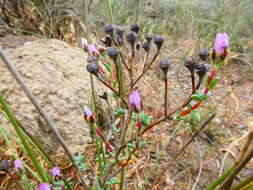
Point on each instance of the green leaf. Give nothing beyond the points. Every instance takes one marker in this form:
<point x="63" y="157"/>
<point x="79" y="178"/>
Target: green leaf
<point x="120" y="111"/>
<point x="195" y="116"/>
<point x="200" y="96"/>
<point x="145" y="119"/>
<point x="213" y="83"/>
<point x="108" y="67"/>
<point x="142" y="144"/>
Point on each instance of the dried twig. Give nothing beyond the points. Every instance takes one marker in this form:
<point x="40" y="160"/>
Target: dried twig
<point x="203" y="125"/>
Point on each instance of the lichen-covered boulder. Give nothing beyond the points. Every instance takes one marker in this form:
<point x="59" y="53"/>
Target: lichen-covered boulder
<point x="56" y="74"/>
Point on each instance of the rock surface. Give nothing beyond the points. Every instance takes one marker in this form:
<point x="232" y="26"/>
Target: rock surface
<point x="56" y="74"/>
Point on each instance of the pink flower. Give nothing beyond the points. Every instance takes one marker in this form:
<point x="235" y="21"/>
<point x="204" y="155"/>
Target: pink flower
<point x="221" y="46"/>
<point x="88" y="115"/>
<point x="135" y="101"/>
<point x="44" y="186"/>
<point x="55" y="171"/>
<point x="84" y="43"/>
<point x="92" y="50"/>
<point x="18" y="165"/>
<point x="87" y="112"/>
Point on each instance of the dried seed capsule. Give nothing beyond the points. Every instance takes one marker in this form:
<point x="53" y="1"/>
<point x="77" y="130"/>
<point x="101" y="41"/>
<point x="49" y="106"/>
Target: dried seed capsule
<point x="131" y="38"/>
<point x="112" y="52"/>
<point x="138" y="45"/>
<point x="119" y="30"/>
<point x="201" y="71"/>
<point x="4" y="165"/>
<point x="109" y="29"/>
<point x="92" y="59"/>
<point x="149" y="37"/>
<point x="135" y="28"/>
<point x="93" y="68"/>
<point x="104" y="96"/>
<point x="204" y="54"/>
<point x="107" y="40"/>
<point x="164" y="65"/>
<point x="146" y="46"/>
<point x="159" y="41"/>
<point x="190" y="63"/>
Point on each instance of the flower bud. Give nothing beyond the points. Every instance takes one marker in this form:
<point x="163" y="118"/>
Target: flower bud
<point x="4" y="165"/>
<point x="109" y="29"/>
<point x="164" y="66"/>
<point x="135" y="101"/>
<point x="159" y="40"/>
<point x="44" y="186"/>
<point x="84" y="43"/>
<point x="93" y="68"/>
<point x="190" y="63"/>
<point x="149" y="37"/>
<point x="112" y="52"/>
<point x="146" y="46"/>
<point x="131" y="38"/>
<point x="107" y="40"/>
<point x="204" y="53"/>
<point x="92" y="59"/>
<point x="135" y="28"/>
<point x="18" y="165"/>
<point x="89" y="116"/>
<point x="56" y="173"/>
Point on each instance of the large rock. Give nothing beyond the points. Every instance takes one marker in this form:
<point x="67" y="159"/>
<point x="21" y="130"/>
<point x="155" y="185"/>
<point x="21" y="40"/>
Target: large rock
<point x="56" y="74"/>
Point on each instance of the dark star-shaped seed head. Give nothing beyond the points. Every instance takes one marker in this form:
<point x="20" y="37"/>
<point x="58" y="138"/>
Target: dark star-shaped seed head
<point x="164" y="65"/>
<point x="93" y="68"/>
<point x="131" y="38"/>
<point x="149" y="37"/>
<point x="113" y="52"/>
<point x="204" y="53"/>
<point x="109" y="29"/>
<point x="92" y="59"/>
<point x="159" y="40"/>
<point x="135" y="28"/>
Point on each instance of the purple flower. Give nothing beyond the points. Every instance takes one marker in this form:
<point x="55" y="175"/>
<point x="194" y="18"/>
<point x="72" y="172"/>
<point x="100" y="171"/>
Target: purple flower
<point x="84" y="43"/>
<point x="220" y="46"/>
<point x="18" y="165"/>
<point x="88" y="115"/>
<point x="55" y="171"/>
<point x="92" y="50"/>
<point x="135" y="101"/>
<point x="44" y="186"/>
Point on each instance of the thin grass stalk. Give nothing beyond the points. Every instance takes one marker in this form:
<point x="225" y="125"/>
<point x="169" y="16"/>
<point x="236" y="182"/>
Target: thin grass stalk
<point x="218" y="181"/>
<point x="243" y="183"/>
<point x="13" y="121"/>
<point x="94" y="102"/>
<point x="122" y="178"/>
<point x="109" y="10"/>
<point x="248" y="186"/>
<point x="166" y="93"/>
<point x="228" y="182"/>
